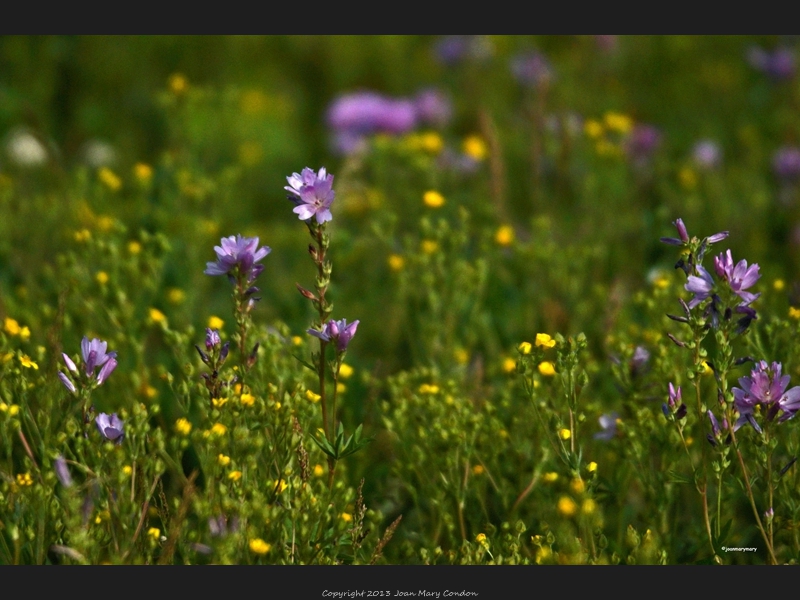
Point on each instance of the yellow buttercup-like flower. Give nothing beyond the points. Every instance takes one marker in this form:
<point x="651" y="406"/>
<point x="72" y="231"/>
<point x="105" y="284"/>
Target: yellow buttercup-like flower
<point x="504" y="236"/>
<point x="183" y="426"/>
<point x="544" y="341"/>
<point x="215" y="322"/>
<point x="259" y="546"/>
<point x="433" y="199"/>
<point x="547" y="369"/>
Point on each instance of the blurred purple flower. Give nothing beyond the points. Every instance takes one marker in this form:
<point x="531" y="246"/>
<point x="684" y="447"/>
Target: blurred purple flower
<point x="608" y="423"/>
<point x="739" y="276"/>
<point x="454" y="49"/>
<point x="606" y="43"/>
<point x="642" y="142"/>
<point x="717" y="428"/>
<point x="786" y="163"/>
<point x="67" y="382"/>
<point x="369" y="112"/>
<point x="674" y="404"/>
<point x="433" y="107"/>
<point x="765" y="388"/>
<point x="95" y="355"/>
<point x="707" y="154"/>
<point x="532" y="69"/>
<point x="312" y="194"/>
<point x="779" y="64"/>
<point x="62" y="471"/>
<point x="110" y="426"/>
<point x="338" y="332"/>
<point x="238" y="254"/>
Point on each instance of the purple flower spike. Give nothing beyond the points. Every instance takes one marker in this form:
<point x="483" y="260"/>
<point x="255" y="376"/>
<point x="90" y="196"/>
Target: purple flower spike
<point x="70" y="365"/>
<point x="110" y="427"/>
<point x="107" y="369"/>
<point x="674" y="396"/>
<point x="212" y="338"/>
<point x="739" y="276"/>
<point x="338" y="332"/>
<point x="312" y="194"/>
<point x="699" y="286"/>
<point x="238" y="254"/>
<point x="67" y="382"/>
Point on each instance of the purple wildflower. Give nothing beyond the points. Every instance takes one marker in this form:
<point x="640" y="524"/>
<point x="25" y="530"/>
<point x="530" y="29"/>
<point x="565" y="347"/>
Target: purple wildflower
<point x="717" y="428"/>
<point x="454" y="49"/>
<point x="684" y="235"/>
<point x="778" y="65"/>
<point x="642" y="143"/>
<point x="368" y="112"/>
<point x="95" y="355"/>
<point x="739" y="276"/>
<point x="532" y="69"/>
<point x="67" y="382"/>
<point x="608" y="423"/>
<point x="338" y="332"/>
<point x="212" y="338"/>
<point x="238" y="255"/>
<point x="766" y="388"/>
<point x="674" y="404"/>
<point x="433" y="107"/>
<point x="312" y="194"/>
<point x="786" y="163"/>
<point x="707" y="154"/>
<point x="700" y="286"/>
<point x="62" y="471"/>
<point x="110" y="427"/>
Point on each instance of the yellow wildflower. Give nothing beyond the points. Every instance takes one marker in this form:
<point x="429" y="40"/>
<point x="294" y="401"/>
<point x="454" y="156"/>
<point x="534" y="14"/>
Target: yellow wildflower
<point x="396" y="262"/>
<point x="154" y="533"/>
<point x="178" y="84"/>
<point x="778" y="285"/>
<point x="346" y="517"/>
<point x="319" y="470"/>
<point x="794" y="313"/>
<point x="588" y="507"/>
<point x="577" y="485"/>
<point x="176" y="296"/>
<point x="431" y="142"/>
<point x="461" y="356"/>
<point x="509" y="365"/>
<point x="475" y="148"/>
<point x="84" y="235"/>
<point x="550" y="477"/>
<point x="429" y="246"/>
<point x="504" y="236"/>
<point x="110" y="179"/>
<point x="340" y="388"/>
<point x="547" y="369"/>
<point x="102" y="277"/>
<point x="134" y="247"/>
<point x="618" y="122"/>
<point x="235" y="475"/>
<point x="25" y="333"/>
<point x="297" y="340"/>
<point x="215" y="322"/>
<point x="183" y="426"/>
<point x="259" y="546"/>
<point x="156" y="316"/>
<point x="143" y="172"/>
<point x="564" y="433"/>
<point x="481" y="538"/>
<point x="218" y="402"/>
<point x="127" y="469"/>
<point x="223" y="460"/>
<point x="433" y="199"/>
<point x="478" y="470"/>
<point x="661" y="281"/>
<point x="218" y="429"/>
<point x="345" y="371"/>
<point x="11" y="326"/>
<point x="591" y="467"/>
<point x="593" y="128"/>
<point x="525" y="347"/>
<point x="567" y="506"/>
<point x="312" y="396"/>
<point x="28" y="363"/>
<point x="247" y="399"/>
<point x="427" y="388"/>
<point x="544" y="341"/>
<point x="24" y="479"/>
